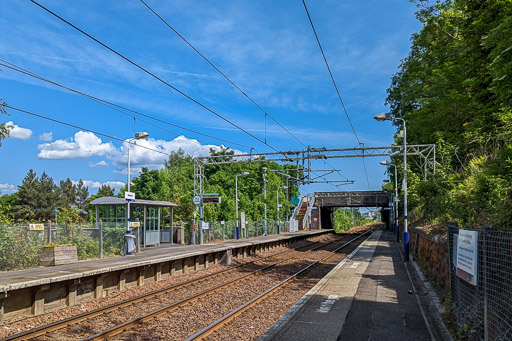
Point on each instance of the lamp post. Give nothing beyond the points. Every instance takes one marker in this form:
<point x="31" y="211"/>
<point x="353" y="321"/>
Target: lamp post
<point x="265" y="198"/>
<point x="138" y="136"/>
<point x="236" y="201"/>
<point x="388" y="117"/>
<point x="278" y="188"/>
<point x="395" y="203"/>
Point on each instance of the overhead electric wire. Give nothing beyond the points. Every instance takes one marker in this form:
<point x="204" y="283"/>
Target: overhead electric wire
<point x="152" y="75"/>
<point x="81" y="128"/>
<point x="222" y="73"/>
<point x="335" y="85"/>
<point x="110" y="104"/>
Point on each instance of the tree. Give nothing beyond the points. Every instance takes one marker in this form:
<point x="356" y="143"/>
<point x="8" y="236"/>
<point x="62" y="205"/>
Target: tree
<point x="4" y="128"/>
<point x="146" y="185"/>
<point x="27" y="197"/>
<point x="82" y="194"/>
<point x="453" y="89"/>
<point x="67" y="194"/>
<point x="47" y="198"/>
<point x="105" y="191"/>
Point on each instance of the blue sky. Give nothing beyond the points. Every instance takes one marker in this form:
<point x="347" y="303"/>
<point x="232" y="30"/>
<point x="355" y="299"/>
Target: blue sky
<point x="266" y="47"/>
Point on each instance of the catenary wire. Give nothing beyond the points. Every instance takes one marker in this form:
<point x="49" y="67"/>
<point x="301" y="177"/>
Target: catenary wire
<point x="222" y="74"/>
<point x="153" y="75"/>
<point x="335" y="85"/>
<point x="81" y="128"/>
<point x="111" y="105"/>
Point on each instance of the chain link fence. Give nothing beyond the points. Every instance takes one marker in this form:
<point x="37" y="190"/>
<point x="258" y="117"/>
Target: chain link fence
<point x="220" y="231"/>
<point x="19" y="246"/>
<point x="484" y="310"/>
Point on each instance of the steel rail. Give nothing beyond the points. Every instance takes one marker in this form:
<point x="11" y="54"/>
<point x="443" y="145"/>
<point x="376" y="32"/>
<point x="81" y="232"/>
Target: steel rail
<point x="130" y="301"/>
<point x="205" y="332"/>
<point x="173" y="306"/>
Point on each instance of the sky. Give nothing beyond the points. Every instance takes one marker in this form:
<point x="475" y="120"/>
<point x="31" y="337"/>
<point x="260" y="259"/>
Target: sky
<point x="267" y="48"/>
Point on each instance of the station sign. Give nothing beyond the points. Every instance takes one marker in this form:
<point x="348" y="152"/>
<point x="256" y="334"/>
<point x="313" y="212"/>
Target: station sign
<point x="129" y="196"/>
<point x="212" y="200"/>
<point x="36" y="227"/>
<point x="196" y="200"/>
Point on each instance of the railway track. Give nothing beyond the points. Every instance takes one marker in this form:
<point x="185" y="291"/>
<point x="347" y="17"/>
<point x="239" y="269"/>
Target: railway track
<point x="217" y="326"/>
<point x="49" y="331"/>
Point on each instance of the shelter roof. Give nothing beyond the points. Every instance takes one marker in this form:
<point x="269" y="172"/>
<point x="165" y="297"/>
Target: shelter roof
<point x="136" y="202"/>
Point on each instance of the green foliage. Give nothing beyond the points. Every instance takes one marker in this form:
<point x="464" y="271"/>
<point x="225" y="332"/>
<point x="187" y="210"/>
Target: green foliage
<point x="19" y="248"/>
<point x="345" y="218"/>
<point x="453" y="89"/>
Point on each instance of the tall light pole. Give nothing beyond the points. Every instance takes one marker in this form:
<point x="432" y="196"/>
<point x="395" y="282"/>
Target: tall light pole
<point x="265" y="198"/>
<point x="138" y="136"/>
<point x="236" y="201"/>
<point x="388" y="117"/>
<point x="395" y="204"/>
<point x="278" y="188"/>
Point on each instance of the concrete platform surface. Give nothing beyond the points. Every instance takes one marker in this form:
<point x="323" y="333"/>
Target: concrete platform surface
<point x="368" y="296"/>
<point x="14" y="280"/>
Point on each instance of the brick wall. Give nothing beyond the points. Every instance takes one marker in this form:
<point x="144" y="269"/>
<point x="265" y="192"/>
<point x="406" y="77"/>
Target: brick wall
<point x="430" y="250"/>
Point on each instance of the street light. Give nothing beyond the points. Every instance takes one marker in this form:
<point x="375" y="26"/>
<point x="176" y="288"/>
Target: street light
<point x="138" y="136"/>
<point x="395" y="204"/>
<point x="388" y="117"/>
<point x="236" y="201"/>
<point x="278" y="188"/>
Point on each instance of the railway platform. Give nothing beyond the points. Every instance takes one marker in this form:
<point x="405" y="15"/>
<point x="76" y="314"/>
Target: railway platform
<point x="371" y="295"/>
<point x="39" y="290"/>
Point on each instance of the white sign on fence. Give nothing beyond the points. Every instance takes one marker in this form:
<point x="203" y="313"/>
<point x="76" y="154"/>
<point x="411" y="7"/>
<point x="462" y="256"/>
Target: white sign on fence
<point x="467" y="256"/>
<point x="242" y="218"/>
<point x="206" y="226"/>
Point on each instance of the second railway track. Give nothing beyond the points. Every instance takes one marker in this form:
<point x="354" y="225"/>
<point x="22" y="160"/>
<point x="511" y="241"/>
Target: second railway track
<point x="184" y="309"/>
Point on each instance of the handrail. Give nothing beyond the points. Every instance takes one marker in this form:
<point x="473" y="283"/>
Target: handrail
<point x="297" y="208"/>
<point x="307" y="215"/>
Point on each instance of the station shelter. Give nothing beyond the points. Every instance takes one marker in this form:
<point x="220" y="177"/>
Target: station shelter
<point x="155" y="217"/>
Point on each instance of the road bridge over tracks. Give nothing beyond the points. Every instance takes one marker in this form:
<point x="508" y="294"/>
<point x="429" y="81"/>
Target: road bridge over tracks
<point x="327" y="202"/>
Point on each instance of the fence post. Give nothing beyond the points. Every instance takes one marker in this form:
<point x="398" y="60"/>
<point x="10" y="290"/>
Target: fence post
<point x="483" y="266"/>
<point x="137" y="235"/>
<point x="49" y="231"/>
<point x="101" y="239"/>
<point x="223" y="223"/>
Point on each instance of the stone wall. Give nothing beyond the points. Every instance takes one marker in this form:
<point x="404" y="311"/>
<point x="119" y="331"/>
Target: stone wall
<point x="430" y="250"/>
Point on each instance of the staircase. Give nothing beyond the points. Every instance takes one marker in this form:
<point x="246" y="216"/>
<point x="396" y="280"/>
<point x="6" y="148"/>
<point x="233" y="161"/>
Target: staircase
<point x="301" y="213"/>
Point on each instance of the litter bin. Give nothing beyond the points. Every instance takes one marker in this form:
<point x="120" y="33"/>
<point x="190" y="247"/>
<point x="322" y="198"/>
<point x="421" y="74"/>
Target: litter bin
<point x="129" y="242"/>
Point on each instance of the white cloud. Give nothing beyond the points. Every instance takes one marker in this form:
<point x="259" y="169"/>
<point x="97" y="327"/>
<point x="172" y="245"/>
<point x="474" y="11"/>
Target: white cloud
<point x="144" y="157"/>
<point x="17" y="132"/>
<point x="97" y="184"/>
<point x="101" y="163"/>
<point x="7" y="188"/>
<point x="82" y="146"/>
<point x="46" y="136"/>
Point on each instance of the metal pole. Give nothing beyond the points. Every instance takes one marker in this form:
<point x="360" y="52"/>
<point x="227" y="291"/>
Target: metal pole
<point x="49" y="232"/>
<point x="265" y="198"/>
<point x="236" y="204"/>
<point x="396" y="207"/>
<point x="406" y="232"/>
<point x="128" y="186"/>
<point x="101" y="239"/>
<point x="201" y="217"/>
<point x="277" y="210"/>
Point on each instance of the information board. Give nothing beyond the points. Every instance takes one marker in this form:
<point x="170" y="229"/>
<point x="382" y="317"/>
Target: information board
<point x="467" y="256"/>
<point x="242" y="218"/>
